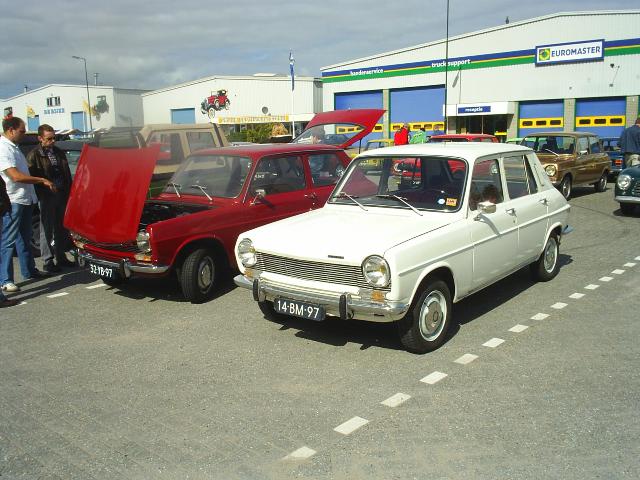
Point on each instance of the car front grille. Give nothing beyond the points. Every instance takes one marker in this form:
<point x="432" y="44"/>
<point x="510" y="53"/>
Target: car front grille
<point x="129" y="247"/>
<point x="635" y="191"/>
<point x="315" y="271"/>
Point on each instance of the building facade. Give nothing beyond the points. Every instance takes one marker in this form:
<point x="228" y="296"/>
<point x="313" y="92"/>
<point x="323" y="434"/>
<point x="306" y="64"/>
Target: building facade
<point x="566" y="71"/>
<point x="65" y="107"/>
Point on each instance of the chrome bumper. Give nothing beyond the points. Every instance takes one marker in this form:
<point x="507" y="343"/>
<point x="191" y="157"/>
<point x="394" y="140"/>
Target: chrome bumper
<point x="344" y="306"/>
<point x="626" y="199"/>
<point x="124" y="267"/>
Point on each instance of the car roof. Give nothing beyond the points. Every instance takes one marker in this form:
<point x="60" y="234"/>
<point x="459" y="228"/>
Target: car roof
<point x="468" y="150"/>
<point x="259" y="150"/>
<point x="562" y="134"/>
<point x="463" y="135"/>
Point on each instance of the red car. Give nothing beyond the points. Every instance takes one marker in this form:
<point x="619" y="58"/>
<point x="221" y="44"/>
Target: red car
<point x="464" y="137"/>
<point x="190" y="229"/>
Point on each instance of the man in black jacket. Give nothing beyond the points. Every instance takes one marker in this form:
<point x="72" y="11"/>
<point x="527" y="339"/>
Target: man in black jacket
<point x="50" y="162"/>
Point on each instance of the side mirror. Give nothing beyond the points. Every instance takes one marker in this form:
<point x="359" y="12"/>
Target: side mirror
<point x="487" y="207"/>
<point x="260" y="193"/>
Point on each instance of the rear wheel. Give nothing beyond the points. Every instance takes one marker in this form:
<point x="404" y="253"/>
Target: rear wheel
<point x="424" y="327"/>
<point x="566" y="187"/>
<point x="601" y="185"/>
<point x="198" y="275"/>
<point x="547" y="265"/>
<point x="627" y="208"/>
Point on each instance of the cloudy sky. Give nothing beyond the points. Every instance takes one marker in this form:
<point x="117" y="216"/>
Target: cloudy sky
<point x="156" y="43"/>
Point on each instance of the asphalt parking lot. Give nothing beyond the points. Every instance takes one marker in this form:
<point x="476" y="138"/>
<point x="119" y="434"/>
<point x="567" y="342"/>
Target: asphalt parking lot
<point x="536" y="381"/>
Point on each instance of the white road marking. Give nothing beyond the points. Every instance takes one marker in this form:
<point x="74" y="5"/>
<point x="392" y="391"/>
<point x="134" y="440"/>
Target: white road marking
<point x="466" y="359"/>
<point x="300" y="454"/>
<point x="351" y="425"/>
<point x="98" y="285"/>
<point x="433" y="377"/>
<point x="518" y="328"/>
<point x="395" y="400"/>
<point x="617" y="271"/>
<point x="22" y="303"/>
<point x="591" y="286"/>
<point x="637" y="258"/>
<point x="56" y="295"/>
<point x="540" y="316"/>
<point x="576" y="296"/>
<point x="493" y="343"/>
<point x="630" y="264"/>
<point x="558" y="305"/>
<point x="605" y="279"/>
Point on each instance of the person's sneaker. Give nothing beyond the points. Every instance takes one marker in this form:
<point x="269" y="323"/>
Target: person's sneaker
<point x="10" y="287"/>
<point x="51" y="268"/>
<point x="8" y="303"/>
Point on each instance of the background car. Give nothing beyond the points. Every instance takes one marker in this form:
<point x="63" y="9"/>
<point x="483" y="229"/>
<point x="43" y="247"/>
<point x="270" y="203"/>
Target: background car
<point x="464" y="137"/>
<point x="627" y="189"/>
<point x="612" y="148"/>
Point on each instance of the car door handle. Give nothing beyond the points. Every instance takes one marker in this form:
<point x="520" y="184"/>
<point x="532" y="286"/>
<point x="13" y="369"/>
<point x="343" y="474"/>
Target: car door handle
<point x="312" y="196"/>
<point x="544" y="201"/>
<point x="511" y="211"/>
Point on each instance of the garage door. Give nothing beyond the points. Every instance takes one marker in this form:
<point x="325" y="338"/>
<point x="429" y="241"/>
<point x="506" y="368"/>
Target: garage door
<point x="419" y="107"/>
<point x="183" y="115"/>
<point x="603" y="116"/>
<point x="547" y="116"/>
<point x="351" y="100"/>
<point x="78" y="121"/>
<point x="33" y="123"/>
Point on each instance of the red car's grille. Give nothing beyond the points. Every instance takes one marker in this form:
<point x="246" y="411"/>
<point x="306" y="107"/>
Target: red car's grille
<point x="130" y="247"/>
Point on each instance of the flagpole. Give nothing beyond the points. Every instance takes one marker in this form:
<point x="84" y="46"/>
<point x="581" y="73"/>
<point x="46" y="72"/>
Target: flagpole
<point x="293" y="124"/>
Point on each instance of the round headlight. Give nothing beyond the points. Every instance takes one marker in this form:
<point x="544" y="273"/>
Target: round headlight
<point x="376" y="271"/>
<point x="624" y="181"/>
<point x="142" y="239"/>
<point x="551" y="170"/>
<point x="247" y="253"/>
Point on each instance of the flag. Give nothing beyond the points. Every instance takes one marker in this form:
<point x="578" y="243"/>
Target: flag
<point x="291" y="62"/>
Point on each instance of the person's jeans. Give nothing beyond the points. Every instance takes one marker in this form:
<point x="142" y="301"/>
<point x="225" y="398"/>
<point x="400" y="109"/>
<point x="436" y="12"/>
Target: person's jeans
<point x="16" y="233"/>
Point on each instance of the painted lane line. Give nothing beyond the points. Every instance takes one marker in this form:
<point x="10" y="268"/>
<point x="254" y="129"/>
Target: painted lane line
<point x="96" y="286"/>
<point x="558" y="305"/>
<point x="540" y="316"/>
<point x="466" y="359"/>
<point x="300" y="454"/>
<point x="395" y="400"/>
<point x="433" y="377"/>
<point x="576" y="296"/>
<point x="591" y="286"/>
<point x="56" y="295"/>
<point x="630" y="264"/>
<point x="618" y="271"/>
<point x="637" y="258"/>
<point x="22" y="303"/>
<point x="518" y="328"/>
<point x="351" y="426"/>
<point x="493" y="343"/>
<point x="605" y="279"/>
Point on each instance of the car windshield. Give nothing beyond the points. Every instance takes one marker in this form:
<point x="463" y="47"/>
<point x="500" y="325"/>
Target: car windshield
<point x="212" y="175"/>
<point x="371" y="144"/>
<point x="610" y="144"/>
<point x="329" y="134"/>
<point x="550" y="143"/>
<point x="424" y="183"/>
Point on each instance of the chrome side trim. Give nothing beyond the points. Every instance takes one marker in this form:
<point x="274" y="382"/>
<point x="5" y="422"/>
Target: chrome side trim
<point x="626" y="199"/>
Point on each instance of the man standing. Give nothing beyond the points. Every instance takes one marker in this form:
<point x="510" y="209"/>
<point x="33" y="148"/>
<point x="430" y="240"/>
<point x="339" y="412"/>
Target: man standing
<point x="48" y="161"/>
<point x="5" y="206"/>
<point x="16" y="223"/>
<point x="401" y="137"/>
<point x="630" y="144"/>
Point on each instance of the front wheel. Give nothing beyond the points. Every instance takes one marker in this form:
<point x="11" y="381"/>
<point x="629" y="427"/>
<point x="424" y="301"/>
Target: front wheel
<point x="601" y="185"/>
<point x="565" y="187"/>
<point x="198" y="275"/>
<point x="424" y="327"/>
<point x="547" y="265"/>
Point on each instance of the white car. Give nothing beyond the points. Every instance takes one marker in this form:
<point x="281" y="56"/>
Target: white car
<point x="432" y="224"/>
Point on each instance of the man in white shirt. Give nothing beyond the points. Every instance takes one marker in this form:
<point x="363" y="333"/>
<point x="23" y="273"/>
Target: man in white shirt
<point x="16" y="223"/>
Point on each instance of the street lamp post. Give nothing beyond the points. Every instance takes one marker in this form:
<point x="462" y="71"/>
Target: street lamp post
<point x="446" y="71"/>
<point x="86" y="80"/>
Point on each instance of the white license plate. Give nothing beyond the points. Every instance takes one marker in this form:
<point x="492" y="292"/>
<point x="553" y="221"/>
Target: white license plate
<point x="102" y="271"/>
<point x="299" y="309"/>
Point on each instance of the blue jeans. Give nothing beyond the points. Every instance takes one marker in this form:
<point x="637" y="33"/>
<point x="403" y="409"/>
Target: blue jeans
<point x="16" y="233"/>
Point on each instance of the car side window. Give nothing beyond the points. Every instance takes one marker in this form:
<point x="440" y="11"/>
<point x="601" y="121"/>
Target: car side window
<point x="594" y="143"/>
<point x="486" y="184"/>
<point x="200" y="140"/>
<point x="518" y="176"/>
<point x="170" y="146"/>
<point x="326" y="169"/>
<point x="583" y="145"/>
<point x="278" y="175"/>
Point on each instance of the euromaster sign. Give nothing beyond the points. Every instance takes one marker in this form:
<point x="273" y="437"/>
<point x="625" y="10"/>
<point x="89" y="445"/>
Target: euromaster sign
<point x="570" y="52"/>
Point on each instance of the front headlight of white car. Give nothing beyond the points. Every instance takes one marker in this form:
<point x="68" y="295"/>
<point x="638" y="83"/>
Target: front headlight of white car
<point x="551" y="170"/>
<point x="624" y="181"/>
<point x="142" y="240"/>
<point x="247" y="253"/>
<point x="376" y="271"/>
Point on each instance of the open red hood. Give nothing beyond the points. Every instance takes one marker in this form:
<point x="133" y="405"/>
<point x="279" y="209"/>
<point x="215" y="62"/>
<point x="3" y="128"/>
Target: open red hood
<point x="363" y="117"/>
<point x="108" y="193"/>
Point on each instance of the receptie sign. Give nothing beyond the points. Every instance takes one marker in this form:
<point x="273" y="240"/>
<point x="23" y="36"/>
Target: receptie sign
<point x="570" y="52"/>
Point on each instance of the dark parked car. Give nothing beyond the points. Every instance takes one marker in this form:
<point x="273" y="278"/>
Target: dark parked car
<point x="610" y="145"/>
<point x="627" y="191"/>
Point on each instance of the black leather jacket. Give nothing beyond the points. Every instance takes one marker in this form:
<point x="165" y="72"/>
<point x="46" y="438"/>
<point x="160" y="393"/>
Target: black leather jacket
<point x="40" y="166"/>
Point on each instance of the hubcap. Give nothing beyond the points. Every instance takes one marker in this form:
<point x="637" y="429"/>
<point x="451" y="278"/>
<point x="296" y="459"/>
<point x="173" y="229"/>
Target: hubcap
<point x="566" y="188"/>
<point x="205" y="274"/>
<point x="550" y="255"/>
<point x="432" y="315"/>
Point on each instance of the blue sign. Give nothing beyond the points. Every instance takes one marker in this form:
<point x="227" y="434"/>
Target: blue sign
<point x="476" y="109"/>
<point x="51" y="111"/>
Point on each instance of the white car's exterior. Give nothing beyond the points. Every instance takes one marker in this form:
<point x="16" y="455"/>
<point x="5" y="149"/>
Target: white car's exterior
<point x="433" y="224"/>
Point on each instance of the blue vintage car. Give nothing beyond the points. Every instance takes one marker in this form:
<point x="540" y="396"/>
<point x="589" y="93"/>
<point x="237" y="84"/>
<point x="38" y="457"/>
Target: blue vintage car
<point x="627" y="192"/>
<point x="610" y="145"/>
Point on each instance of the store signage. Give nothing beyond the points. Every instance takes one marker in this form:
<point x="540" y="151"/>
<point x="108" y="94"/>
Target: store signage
<point x="51" y="111"/>
<point x="474" y="109"/>
<point x="570" y="52"/>
<point x="253" y="119"/>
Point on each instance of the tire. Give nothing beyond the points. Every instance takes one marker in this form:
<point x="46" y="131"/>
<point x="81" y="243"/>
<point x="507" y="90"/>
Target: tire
<point x="601" y="185"/>
<point x="627" y="208"/>
<point x="424" y="327"/>
<point x="216" y="104"/>
<point x="227" y="104"/>
<point x="212" y="112"/>
<point x="547" y="265"/>
<point x="198" y="275"/>
<point x="566" y="187"/>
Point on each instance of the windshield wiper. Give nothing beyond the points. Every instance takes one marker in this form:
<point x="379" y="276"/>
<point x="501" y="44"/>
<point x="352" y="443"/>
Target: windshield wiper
<point x="551" y="152"/>
<point x="176" y="187"/>
<point x="346" y="195"/>
<point x="203" y="189"/>
<point x="400" y="199"/>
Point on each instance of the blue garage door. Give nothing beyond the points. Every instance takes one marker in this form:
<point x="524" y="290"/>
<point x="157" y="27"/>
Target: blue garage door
<point x="419" y="107"/>
<point x="78" y="120"/>
<point x="603" y="116"/>
<point x="33" y="123"/>
<point x="351" y="100"/>
<point x="547" y="116"/>
<point x="183" y="115"/>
